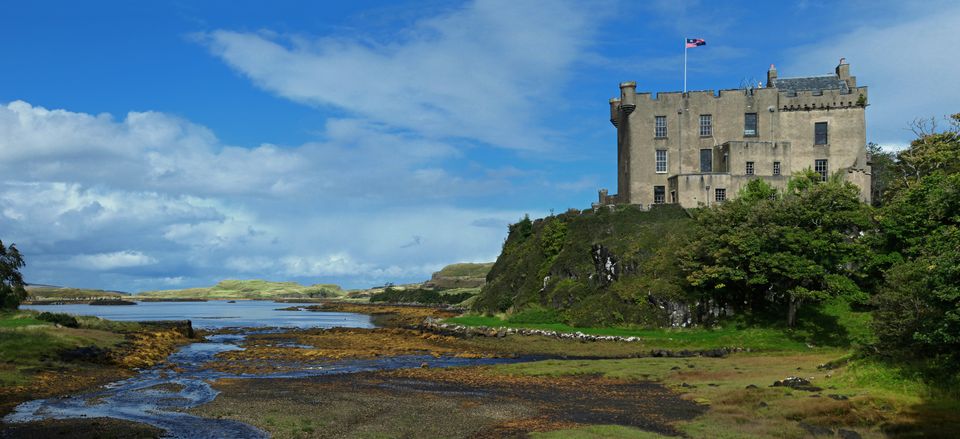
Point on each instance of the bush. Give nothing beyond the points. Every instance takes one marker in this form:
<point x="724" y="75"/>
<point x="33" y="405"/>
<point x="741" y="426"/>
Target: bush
<point x="60" y="319"/>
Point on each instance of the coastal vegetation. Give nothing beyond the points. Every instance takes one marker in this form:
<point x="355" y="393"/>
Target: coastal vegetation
<point x="49" y="293"/>
<point x="248" y="289"/>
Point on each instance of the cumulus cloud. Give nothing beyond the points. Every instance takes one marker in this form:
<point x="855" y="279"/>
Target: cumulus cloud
<point x="907" y="69"/>
<point x="481" y="72"/>
<point x="109" y="261"/>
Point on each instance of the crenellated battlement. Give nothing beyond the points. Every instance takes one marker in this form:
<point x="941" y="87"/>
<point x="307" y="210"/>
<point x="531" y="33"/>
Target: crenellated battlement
<point x="823" y="99"/>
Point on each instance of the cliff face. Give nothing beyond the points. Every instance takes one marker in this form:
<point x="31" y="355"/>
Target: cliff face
<point x="595" y="268"/>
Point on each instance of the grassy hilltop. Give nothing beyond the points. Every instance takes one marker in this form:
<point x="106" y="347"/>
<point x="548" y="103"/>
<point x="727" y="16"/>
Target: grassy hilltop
<point x="50" y="292"/>
<point x="249" y="289"/>
<point x="586" y="269"/>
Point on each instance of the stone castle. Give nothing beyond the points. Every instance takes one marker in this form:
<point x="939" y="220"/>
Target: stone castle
<point x="700" y="147"/>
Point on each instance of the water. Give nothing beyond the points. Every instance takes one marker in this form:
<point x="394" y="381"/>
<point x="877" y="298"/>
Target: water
<point x="159" y="396"/>
<point x="216" y="314"/>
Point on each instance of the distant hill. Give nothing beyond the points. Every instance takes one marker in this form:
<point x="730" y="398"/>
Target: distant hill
<point x="52" y="292"/>
<point x="465" y="275"/>
<point x="249" y="289"/>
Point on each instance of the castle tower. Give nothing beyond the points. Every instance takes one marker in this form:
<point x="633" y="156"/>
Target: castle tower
<point x="699" y="148"/>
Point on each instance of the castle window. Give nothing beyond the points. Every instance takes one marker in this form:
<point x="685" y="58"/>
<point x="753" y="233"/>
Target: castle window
<point x="659" y="193"/>
<point x="776" y="168"/>
<point x="706" y="125"/>
<point x="749" y="168"/>
<point x="660" y="127"/>
<point x="720" y="195"/>
<point x="820" y="167"/>
<point x="661" y="161"/>
<point x="706" y="160"/>
<point x="750" y="124"/>
<point x="820" y="133"/>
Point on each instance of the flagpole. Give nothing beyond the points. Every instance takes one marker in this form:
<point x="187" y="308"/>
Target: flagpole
<point x="684" y="65"/>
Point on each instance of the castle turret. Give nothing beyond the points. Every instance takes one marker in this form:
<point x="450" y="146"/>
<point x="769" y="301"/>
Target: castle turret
<point x="615" y="111"/>
<point x="771" y="75"/>
<point x="628" y="96"/>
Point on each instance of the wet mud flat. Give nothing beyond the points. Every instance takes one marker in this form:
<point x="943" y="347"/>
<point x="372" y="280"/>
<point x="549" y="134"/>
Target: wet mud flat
<point x="444" y="403"/>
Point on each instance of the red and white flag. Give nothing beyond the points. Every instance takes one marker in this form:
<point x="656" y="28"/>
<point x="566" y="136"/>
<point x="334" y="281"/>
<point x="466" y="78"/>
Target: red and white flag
<point x="694" y="42"/>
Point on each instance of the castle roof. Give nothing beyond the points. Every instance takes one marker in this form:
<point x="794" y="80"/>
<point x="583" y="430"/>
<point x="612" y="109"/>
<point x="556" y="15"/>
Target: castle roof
<point x="811" y="83"/>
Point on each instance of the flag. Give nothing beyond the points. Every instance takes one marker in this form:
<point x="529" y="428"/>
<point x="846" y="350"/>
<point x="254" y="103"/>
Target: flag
<point x="694" y="42"/>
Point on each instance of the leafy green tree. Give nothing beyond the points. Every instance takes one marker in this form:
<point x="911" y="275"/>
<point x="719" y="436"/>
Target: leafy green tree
<point x="918" y="306"/>
<point x="788" y="250"/>
<point x="932" y="152"/>
<point x="882" y="164"/>
<point x="12" y="290"/>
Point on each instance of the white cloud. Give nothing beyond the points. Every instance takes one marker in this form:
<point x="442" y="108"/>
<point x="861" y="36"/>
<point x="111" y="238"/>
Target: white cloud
<point x="483" y="72"/>
<point x="109" y="261"/>
<point x="909" y="67"/>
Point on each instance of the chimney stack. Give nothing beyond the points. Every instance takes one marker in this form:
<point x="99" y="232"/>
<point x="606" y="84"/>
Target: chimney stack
<point x="771" y="75"/>
<point x="628" y="96"/>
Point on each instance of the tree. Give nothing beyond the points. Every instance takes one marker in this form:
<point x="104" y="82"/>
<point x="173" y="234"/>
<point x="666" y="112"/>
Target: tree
<point x="918" y="306"/>
<point x="882" y="164"/>
<point x="760" y="250"/>
<point x="12" y="291"/>
<point x="933" y="151"/>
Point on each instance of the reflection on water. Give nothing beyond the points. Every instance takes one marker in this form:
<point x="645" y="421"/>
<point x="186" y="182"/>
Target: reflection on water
<point x="217" y="314"/>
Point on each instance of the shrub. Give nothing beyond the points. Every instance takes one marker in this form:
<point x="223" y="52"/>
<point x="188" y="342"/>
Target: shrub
<point x="60" y="319"/>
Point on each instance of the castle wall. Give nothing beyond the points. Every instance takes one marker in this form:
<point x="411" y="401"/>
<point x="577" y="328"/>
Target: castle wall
<point x="785" y="134"/>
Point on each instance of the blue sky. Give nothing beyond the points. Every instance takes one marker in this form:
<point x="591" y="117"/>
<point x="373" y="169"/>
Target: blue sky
<point x="153" y="145"/>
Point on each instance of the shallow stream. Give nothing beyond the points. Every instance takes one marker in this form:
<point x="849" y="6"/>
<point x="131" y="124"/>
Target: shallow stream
<point x="161" y="395"/>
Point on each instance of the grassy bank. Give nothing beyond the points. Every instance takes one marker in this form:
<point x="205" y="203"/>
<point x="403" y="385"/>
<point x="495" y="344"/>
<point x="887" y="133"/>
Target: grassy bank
<point x="832" y="324"/>
<point x="39" y="358"/>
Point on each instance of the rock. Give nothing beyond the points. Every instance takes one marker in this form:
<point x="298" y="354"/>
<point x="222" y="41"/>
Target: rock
<point x="690" y="366"/>
<point x="751" y="386"/>
<point x="796" y="383"/>
<point x="839" y="397"/>
<point x="424" y="365"/>
<point x="848" y="434"/>
<point x="816" y="430"/>
<point x="715" y="353"/>
<point x="762" y="404"/>
<point x="675" y="368"/>
<point x="687" y="385"/>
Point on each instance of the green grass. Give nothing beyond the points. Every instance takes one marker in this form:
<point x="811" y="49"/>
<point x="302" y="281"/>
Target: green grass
<point x="832" y="324"/>
<point x="729" y="336"/>
<point x="466" y="270"/>
<point x="28" y="344"/>
<point x="16" y="321"/>
<point x="249" y="289"/>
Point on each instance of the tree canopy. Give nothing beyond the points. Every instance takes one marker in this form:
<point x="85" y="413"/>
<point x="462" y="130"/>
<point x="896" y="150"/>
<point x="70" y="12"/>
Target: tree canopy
<point x="12" y="290"/>
<point x="764" y="249"/>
